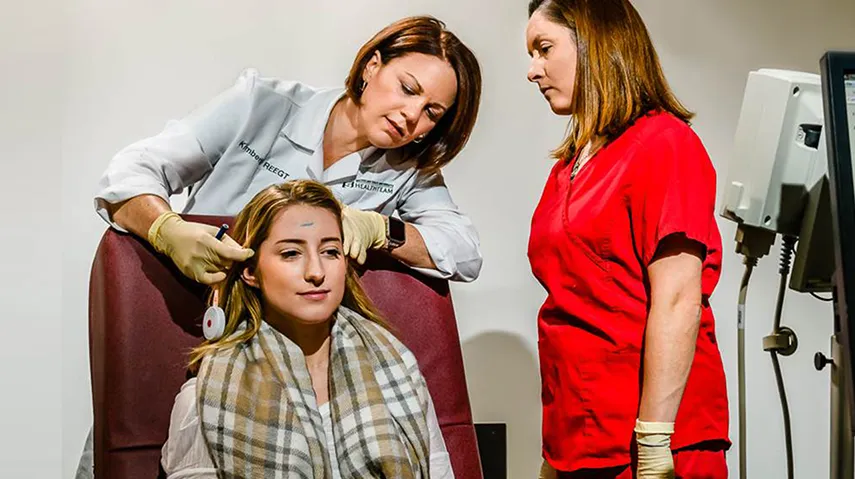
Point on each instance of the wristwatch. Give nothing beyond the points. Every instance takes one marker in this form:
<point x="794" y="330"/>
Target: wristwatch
<point x="396" y="234"/>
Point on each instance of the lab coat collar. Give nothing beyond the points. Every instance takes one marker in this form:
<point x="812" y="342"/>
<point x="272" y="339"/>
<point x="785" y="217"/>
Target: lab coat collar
<point x="306" y="126"/>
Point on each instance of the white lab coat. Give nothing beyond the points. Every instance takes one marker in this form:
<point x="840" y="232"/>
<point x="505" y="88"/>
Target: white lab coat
<point x="264" y="131"/>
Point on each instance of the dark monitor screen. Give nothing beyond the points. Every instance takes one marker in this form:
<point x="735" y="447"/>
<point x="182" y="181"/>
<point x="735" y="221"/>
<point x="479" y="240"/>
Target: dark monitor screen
<point x="838" y="94"/>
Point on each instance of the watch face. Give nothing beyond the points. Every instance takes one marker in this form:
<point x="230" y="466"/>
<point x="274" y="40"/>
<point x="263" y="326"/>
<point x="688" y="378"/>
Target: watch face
<point x="396" y="230"/>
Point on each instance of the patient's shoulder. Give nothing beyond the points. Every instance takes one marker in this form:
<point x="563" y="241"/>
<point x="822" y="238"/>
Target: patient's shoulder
<point x="185" y="448"/>
<point x="184" y="409"/>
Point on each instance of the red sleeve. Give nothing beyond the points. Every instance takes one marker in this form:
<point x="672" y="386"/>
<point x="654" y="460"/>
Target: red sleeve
<point x="673" y="191"/>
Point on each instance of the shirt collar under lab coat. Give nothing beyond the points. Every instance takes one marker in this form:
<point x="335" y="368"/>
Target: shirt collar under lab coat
<point x="306" y="128"/>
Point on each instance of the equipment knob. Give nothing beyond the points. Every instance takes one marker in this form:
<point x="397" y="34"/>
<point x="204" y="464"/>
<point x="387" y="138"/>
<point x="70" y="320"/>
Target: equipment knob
<point x="820" y="361"/>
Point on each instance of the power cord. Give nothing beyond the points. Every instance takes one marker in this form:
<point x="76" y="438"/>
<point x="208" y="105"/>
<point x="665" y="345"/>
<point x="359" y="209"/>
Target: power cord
<point x="752" y="243"/>
<point x="820" y="297"/>
<point x="750" y="263"/>
<point x="783" y="341"/>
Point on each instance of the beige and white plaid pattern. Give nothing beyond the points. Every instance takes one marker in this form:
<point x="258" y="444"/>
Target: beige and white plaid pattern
<point x="260" y="418"/>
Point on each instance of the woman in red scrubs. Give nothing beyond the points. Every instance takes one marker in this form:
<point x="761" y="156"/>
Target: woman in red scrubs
<point x="624" y="240"/>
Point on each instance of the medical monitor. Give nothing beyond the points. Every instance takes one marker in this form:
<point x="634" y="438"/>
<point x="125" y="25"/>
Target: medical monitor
<point x="838" y="92"/>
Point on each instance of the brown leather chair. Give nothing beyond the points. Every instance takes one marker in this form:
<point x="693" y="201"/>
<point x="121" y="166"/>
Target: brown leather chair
<point x="144" y="316"/>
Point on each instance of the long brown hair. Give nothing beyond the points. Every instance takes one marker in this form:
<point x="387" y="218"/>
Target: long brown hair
<point x="252" y="225"/>
<point x="618" y="75"/>
<point x="427" y="35"/>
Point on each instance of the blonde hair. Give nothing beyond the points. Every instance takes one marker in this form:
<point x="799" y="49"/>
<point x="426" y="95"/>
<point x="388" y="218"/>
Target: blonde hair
<point x="242" y="302"/>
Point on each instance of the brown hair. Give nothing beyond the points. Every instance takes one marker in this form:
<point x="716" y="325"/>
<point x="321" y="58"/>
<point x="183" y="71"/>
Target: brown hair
<point x="427" y="35"/>
<point x="618" y="75"/>
<point x="242" y="302"/>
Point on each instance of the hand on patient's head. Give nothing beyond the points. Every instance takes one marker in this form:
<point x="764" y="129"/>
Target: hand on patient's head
<point x="363" y="230"/>
<point x="194" y="248"/>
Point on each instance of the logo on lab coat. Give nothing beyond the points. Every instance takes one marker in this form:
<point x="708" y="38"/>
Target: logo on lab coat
<point x="372" y="186"/>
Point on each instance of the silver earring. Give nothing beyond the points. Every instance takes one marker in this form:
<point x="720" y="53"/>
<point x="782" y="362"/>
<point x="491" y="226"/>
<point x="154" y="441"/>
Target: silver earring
<point x="419" y="139"/>
<point x="362" y="87"/>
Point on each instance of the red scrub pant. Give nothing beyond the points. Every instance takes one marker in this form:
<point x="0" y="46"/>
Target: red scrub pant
<point x="689" y="463"/>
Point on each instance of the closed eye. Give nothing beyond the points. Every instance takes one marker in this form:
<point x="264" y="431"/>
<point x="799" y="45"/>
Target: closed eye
<point x="288" y="254"/>
<point x="432" y="111"/>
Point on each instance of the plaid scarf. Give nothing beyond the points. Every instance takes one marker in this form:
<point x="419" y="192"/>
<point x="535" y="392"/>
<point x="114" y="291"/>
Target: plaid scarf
<point x="260" y="418"/>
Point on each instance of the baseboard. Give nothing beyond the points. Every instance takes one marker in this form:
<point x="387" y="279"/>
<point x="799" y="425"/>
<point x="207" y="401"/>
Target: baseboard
<point x="493" y="449"/>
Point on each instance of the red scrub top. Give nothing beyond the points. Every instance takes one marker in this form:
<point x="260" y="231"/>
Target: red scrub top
<point x="591" y="241"/>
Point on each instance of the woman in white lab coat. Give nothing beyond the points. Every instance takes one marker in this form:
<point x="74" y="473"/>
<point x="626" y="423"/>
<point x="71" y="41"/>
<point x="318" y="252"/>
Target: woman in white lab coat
<point x="408" y="108"/>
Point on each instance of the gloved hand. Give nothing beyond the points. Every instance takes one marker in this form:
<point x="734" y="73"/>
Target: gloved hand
<point x="363" y="230"/>
<point x="194" y="247"/>
<point x="654" y="449"/>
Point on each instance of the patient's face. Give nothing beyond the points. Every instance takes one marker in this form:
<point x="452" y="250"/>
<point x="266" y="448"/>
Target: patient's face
<point x="301" y="269"/>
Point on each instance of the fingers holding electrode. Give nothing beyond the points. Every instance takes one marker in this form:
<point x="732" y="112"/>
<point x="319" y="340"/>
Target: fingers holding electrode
<point x="229" y="249"/>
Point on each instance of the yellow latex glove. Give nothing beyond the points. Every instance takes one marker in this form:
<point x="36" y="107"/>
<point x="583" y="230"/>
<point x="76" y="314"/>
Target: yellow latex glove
<point x="194" y="248"/>
<point x="654" y="449"/>
<point x="363" y="230"/>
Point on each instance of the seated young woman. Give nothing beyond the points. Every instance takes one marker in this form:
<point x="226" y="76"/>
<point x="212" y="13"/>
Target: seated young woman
<point x="306" y="380"/>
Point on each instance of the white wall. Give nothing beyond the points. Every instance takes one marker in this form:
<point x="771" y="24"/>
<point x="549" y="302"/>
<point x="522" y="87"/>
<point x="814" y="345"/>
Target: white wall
<point x="133" y="65"/>
<point x="31" y="242"/>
